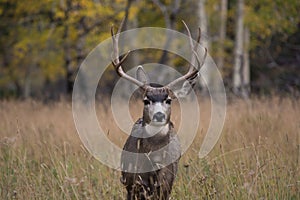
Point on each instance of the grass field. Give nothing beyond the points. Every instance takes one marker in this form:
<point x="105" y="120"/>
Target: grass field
<point x="257" y="156"/>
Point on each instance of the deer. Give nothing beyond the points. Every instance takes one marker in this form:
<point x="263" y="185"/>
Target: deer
<point x="150" y="172"/>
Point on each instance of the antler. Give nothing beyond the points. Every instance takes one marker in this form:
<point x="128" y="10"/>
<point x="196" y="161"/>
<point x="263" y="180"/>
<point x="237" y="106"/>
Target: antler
<point x="192" y="72"/>
<point x="117" y="63"/>
<point x="190" y="75"/>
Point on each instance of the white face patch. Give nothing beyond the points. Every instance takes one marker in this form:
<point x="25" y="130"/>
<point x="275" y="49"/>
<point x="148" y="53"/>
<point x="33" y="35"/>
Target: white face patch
<point x="158" y="113"/>
<point x="158" y="107"/>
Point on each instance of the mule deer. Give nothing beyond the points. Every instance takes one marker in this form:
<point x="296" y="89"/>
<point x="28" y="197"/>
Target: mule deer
<point x="150" y="156"/>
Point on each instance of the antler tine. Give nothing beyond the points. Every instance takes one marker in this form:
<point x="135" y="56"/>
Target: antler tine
<point x="192" y="70"/>
<point x="194" y="48"/>
<point x="115" y="57"/>
<point x="195" y="55"/>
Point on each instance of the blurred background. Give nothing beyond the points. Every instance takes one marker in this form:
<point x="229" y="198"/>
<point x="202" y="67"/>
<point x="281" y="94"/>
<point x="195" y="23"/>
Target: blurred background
<point x="255" y="44"/>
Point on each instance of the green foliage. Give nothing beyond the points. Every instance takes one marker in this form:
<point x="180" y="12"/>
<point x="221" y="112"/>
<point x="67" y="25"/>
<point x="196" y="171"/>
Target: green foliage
<point x="41" y="40"/>
<point x="35" y="36"/>
<point x="267" y="17"/>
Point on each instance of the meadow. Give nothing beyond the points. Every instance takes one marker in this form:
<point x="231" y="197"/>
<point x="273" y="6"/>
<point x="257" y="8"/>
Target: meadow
<point x="257" y="156"/>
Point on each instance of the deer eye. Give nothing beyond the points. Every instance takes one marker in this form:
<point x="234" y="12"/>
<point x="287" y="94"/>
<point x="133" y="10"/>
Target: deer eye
<point x="168" y="101"/>
<point x="146" y="102"/>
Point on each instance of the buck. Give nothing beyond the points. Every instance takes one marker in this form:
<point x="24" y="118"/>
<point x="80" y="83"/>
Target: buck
<point x="150" y="156"/>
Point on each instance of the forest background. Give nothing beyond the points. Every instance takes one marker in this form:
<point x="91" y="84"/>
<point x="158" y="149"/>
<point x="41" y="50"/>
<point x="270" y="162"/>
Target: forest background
<point x="255" y="44"/>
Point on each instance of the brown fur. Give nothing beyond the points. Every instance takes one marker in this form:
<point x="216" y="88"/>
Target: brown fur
<point x="157" y="182"/>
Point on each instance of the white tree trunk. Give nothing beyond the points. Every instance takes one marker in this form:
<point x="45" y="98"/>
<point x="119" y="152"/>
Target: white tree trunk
<point x="202" y="20"/>
<point x="203" y="24"/>
<point x="238" y="53"/>
<point x="246" y="65"/>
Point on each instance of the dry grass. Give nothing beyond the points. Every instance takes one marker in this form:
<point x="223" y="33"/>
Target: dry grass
<point x="257" y="157"/>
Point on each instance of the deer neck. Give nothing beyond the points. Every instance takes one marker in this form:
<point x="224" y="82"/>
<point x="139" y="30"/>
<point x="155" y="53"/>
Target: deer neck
<point x="157" y="130"/>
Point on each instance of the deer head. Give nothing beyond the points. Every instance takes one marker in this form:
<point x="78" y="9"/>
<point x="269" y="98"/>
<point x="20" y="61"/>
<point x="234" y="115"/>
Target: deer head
<point x="157" y="98"/>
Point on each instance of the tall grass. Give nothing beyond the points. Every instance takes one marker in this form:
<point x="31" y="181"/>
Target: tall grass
<point x="257" y="156"/>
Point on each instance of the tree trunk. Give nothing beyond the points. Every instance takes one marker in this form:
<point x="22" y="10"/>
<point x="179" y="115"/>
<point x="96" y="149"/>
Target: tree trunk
<point x="68" y="63"/>
<point x="203" y="24"/>
<point x="222" y="33"/>
<point x="132" y="60"/>
<point x="170" y="22"/>
<point x="27" y="83"/>
<point x="80" y="43"/>
<point x="238" y="53"/>
<point x="67" y="56"/>
<point x="246" y="65"/>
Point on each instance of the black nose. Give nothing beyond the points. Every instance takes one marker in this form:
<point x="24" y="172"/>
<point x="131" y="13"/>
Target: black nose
<point x="159" y="116"/>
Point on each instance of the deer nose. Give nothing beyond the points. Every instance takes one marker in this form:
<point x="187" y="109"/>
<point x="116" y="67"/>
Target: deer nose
<point x="159" y="116"/>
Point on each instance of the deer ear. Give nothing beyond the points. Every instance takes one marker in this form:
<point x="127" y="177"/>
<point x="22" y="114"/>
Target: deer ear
<point x="142" y="76"/>
<point x="185" y="89"/>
